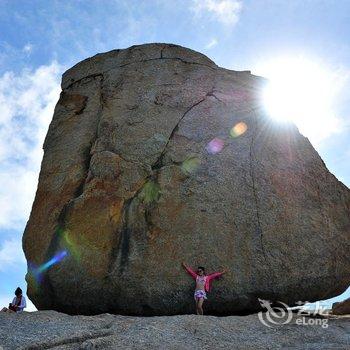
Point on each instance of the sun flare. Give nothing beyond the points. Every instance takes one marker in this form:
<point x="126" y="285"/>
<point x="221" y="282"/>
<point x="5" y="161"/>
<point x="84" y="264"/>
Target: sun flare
<point x="301" y="91"/>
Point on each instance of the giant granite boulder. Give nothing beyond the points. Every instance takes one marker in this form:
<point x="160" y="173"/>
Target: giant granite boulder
<point x="341" y="308"/>
<point x="156" y="155"/>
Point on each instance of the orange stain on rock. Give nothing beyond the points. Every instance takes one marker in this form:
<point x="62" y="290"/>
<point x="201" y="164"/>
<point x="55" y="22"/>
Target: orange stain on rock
<point x="115" y="211"/>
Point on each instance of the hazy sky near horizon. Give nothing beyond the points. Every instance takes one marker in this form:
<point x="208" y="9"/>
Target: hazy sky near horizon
<point x="40" y="39"/>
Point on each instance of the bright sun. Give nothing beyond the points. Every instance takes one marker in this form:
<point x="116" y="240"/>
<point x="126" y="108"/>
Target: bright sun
<point x="301" y="91"/>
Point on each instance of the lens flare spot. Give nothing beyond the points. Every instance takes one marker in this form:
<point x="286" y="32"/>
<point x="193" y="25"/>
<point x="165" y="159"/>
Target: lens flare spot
<point x="53" y="261"/>
<point x="215" y="146"/>
<point x="73" y="248"/>
<point x="190" y="165"/>
<point x="239" y="129"/>
<point x="35" y="274"/>
<point x="150" y="192"/>
<point x="67" y="238"/>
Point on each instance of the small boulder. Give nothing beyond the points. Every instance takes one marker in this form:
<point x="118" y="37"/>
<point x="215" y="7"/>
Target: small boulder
<point x="341" y="308"/>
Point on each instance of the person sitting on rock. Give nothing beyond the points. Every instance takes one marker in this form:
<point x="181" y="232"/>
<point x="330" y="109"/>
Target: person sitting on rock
<point x="202" y="284"/>
<point x="18" y="302"/>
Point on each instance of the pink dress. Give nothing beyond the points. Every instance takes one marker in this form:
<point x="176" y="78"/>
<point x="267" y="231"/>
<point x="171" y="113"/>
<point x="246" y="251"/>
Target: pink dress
<point x="207" y="282"/>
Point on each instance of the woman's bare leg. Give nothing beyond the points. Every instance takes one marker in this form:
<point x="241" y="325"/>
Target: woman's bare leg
<point x="200" y="306"/>
<point x="196" y="299"/>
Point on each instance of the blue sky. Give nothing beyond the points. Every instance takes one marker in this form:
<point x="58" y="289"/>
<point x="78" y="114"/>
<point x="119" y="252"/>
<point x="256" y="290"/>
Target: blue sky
<point x="40" y="39"/>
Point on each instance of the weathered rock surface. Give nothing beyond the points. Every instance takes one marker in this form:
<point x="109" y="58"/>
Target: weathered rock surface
<point x="52" y="330"/>
<point x="141" y="172"/>
<point x="341" y="308"/>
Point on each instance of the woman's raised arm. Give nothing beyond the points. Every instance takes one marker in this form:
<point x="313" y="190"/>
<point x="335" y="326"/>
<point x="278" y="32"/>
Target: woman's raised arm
<point x="217" y="274"/>
<point x="189" y="270"/>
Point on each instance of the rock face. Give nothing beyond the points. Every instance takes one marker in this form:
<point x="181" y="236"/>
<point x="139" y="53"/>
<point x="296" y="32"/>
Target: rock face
<point x="53" y="330"/>
<point x="156" y="155"/>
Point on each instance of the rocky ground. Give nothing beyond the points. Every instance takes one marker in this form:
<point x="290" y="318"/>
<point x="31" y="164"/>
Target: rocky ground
<point x="53" y="330"/>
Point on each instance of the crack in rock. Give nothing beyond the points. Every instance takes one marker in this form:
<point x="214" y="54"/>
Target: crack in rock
<point x="123" y="247"/>
<point x="212" y="94"/>
<point x="158" y="164"/>
<point x="73" y="340"/>
<point x="94" y="75"/>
